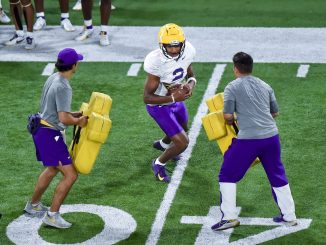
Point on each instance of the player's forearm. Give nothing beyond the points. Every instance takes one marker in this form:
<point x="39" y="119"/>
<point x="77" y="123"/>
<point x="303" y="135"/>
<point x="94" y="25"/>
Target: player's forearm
<point x="155" y="99"/>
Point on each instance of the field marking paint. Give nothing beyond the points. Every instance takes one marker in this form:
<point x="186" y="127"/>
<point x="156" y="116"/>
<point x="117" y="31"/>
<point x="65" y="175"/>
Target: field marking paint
<point x="48" y="69"/>
<point x="207" y="236"/>
<point x="118" y="226"/>
<point x="177" y="175"/>
<point x="303" y="70"/>
<point x="134" y="69"/>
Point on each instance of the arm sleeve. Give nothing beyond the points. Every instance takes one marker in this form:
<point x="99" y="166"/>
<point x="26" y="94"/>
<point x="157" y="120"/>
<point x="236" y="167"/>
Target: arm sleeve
<point x="229" y="101"/>
<point x="273" y="102"/>
<point x="63" y="99"/>
<point x="151" y="65"/>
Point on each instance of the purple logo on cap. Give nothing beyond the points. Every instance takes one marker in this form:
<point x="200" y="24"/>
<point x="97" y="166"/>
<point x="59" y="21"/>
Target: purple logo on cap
<point x="69" y="56"/>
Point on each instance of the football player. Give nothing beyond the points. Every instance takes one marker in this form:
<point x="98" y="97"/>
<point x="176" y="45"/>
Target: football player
<point x="105" y="11"/>
<point x="17" y="7"/>
<point x="170" y="81"/>
<point x="40" y="16"/>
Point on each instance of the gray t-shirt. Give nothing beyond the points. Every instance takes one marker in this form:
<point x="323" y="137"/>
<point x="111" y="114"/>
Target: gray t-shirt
<point x="253" y="101"/>
<point x="56" y="97"/>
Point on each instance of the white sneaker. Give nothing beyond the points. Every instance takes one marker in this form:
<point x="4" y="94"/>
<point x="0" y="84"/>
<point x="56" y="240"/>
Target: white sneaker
<point x="113" y="7"/>
<point x="86" y="33"/>
<point x="3" y="17"/>
<point x="77" y="6"/>
<point x="104" y="38"/>
<point x="56" y="221"/>
<point x="16" y="39"/>
<point x="40" y="209"/>
<point x="30" y="43"/>
<point x="66" y="25"/>
<point x="39" y="24"/>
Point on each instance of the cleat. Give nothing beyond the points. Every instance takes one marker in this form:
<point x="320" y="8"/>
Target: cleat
<point x="104" y="38"/>
<point x="86" y="33"/>
<point x="225" y="224"/>
<point x="16" y="39"/>
<point x="157" y="145"/>
<point x="39" y="24"/>
<point x="279" y="219"/>
<point x="159" y="172"/>
<point x="113" y="7"/>
<point x="3" y="17"/>
<point x="40" y="209"/>
<point x="66" y="25"/>
<point x="30" y="43"/>
<point x="77" y="6"/>
<point x="56" y="221"/>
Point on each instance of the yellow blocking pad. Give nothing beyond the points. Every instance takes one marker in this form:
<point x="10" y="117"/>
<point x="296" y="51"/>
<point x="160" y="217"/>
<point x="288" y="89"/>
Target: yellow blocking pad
<point x="215" y="125"/>
<point x="216" y="102"/>
<point x="86" y="150"/>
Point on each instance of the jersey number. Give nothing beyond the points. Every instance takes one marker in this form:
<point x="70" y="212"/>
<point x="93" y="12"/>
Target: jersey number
<point x="178" y="73"/>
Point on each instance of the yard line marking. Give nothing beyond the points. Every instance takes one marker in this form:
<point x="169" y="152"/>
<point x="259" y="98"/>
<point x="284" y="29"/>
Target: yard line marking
<point x="303" y="70"/>
<point x="207" y="236"/>
<point x="133" y="70"/>
<point x="48" y="69"/>
<point x="177" y="175"/>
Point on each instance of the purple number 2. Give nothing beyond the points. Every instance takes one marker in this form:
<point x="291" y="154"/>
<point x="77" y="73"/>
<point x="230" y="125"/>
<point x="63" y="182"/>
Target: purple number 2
<point x="178" y="73"/>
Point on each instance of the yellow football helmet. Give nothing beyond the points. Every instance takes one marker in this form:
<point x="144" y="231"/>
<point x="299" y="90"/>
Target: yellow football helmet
<point x="171" y="35"/>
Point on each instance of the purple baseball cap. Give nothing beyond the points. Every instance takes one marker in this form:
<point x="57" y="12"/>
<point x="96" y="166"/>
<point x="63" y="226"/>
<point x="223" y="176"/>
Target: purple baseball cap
<point x="69" y="56"/>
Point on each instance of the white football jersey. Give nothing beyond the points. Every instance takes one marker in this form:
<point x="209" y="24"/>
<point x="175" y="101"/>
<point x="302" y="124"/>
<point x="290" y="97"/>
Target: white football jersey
<point x="169" y="71"/>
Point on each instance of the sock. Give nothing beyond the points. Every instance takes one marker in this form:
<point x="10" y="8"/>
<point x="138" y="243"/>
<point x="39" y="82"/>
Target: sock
<point x="40" y="14"/>
<point x="64" y="16"/>
<point x="29" y="34"/>
<point x="20" y="33"/>
<point x="35" y="204"/>
<point x="105" y="28"/>
<point x="165" y="146"/>
<point x="88" y="24"/>
<point x="51" y="213"/>
<point x="159" y="163"/>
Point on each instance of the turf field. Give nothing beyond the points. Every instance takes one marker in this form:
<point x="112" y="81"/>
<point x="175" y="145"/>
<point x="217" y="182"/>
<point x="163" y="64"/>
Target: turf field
<point x="122" y="177"/>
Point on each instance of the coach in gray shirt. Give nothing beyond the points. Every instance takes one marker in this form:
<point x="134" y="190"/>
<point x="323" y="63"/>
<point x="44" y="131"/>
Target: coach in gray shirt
<point x="255" y="106"/>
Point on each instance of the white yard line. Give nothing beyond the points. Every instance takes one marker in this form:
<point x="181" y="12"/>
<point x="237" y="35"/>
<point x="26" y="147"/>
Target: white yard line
<point x="176" y="179"/>
<point x="134" y="69"/>
<point x="303" y="70"/>
<point x="48" y="69"/>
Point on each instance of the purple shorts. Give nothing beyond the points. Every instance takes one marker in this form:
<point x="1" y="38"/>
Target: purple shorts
<point x="51" y="148"/>
<point x="170" y="118"/>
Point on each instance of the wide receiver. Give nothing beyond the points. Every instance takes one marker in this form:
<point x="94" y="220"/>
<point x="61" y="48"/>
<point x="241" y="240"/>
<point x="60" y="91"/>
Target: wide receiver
<point x="170" y="81"/>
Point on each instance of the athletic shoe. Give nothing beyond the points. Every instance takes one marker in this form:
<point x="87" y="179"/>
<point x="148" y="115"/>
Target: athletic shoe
<point x="40" y="209"/>
<point x="66" y="25"/>
<point x="77" y="6"/>
<point x="15" y="40"/>
<point x="113" y="7"/>
<point x="225" y="224"/>
<point x="86" y="33"/>
<point x="157" y="145"/>
<point x="279" y="219"/>
<point x="104" y="38"/>
<point x="56" y="221"/>
<point x="39" y="24"/>
<point x="159" y="172"/>
<point x="3" y="17"/>
<point x="30" y="43"/>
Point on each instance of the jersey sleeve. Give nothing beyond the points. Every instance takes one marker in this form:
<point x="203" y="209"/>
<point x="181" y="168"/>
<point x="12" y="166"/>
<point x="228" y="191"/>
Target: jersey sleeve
<point x="63" y="98"/>
<point x="273" y="102"/>
<point x="229" y="100"/>
<point x="152" y="64"/>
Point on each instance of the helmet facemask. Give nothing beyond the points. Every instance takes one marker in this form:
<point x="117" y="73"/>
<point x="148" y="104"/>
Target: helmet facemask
<point x="175" y="44"/>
